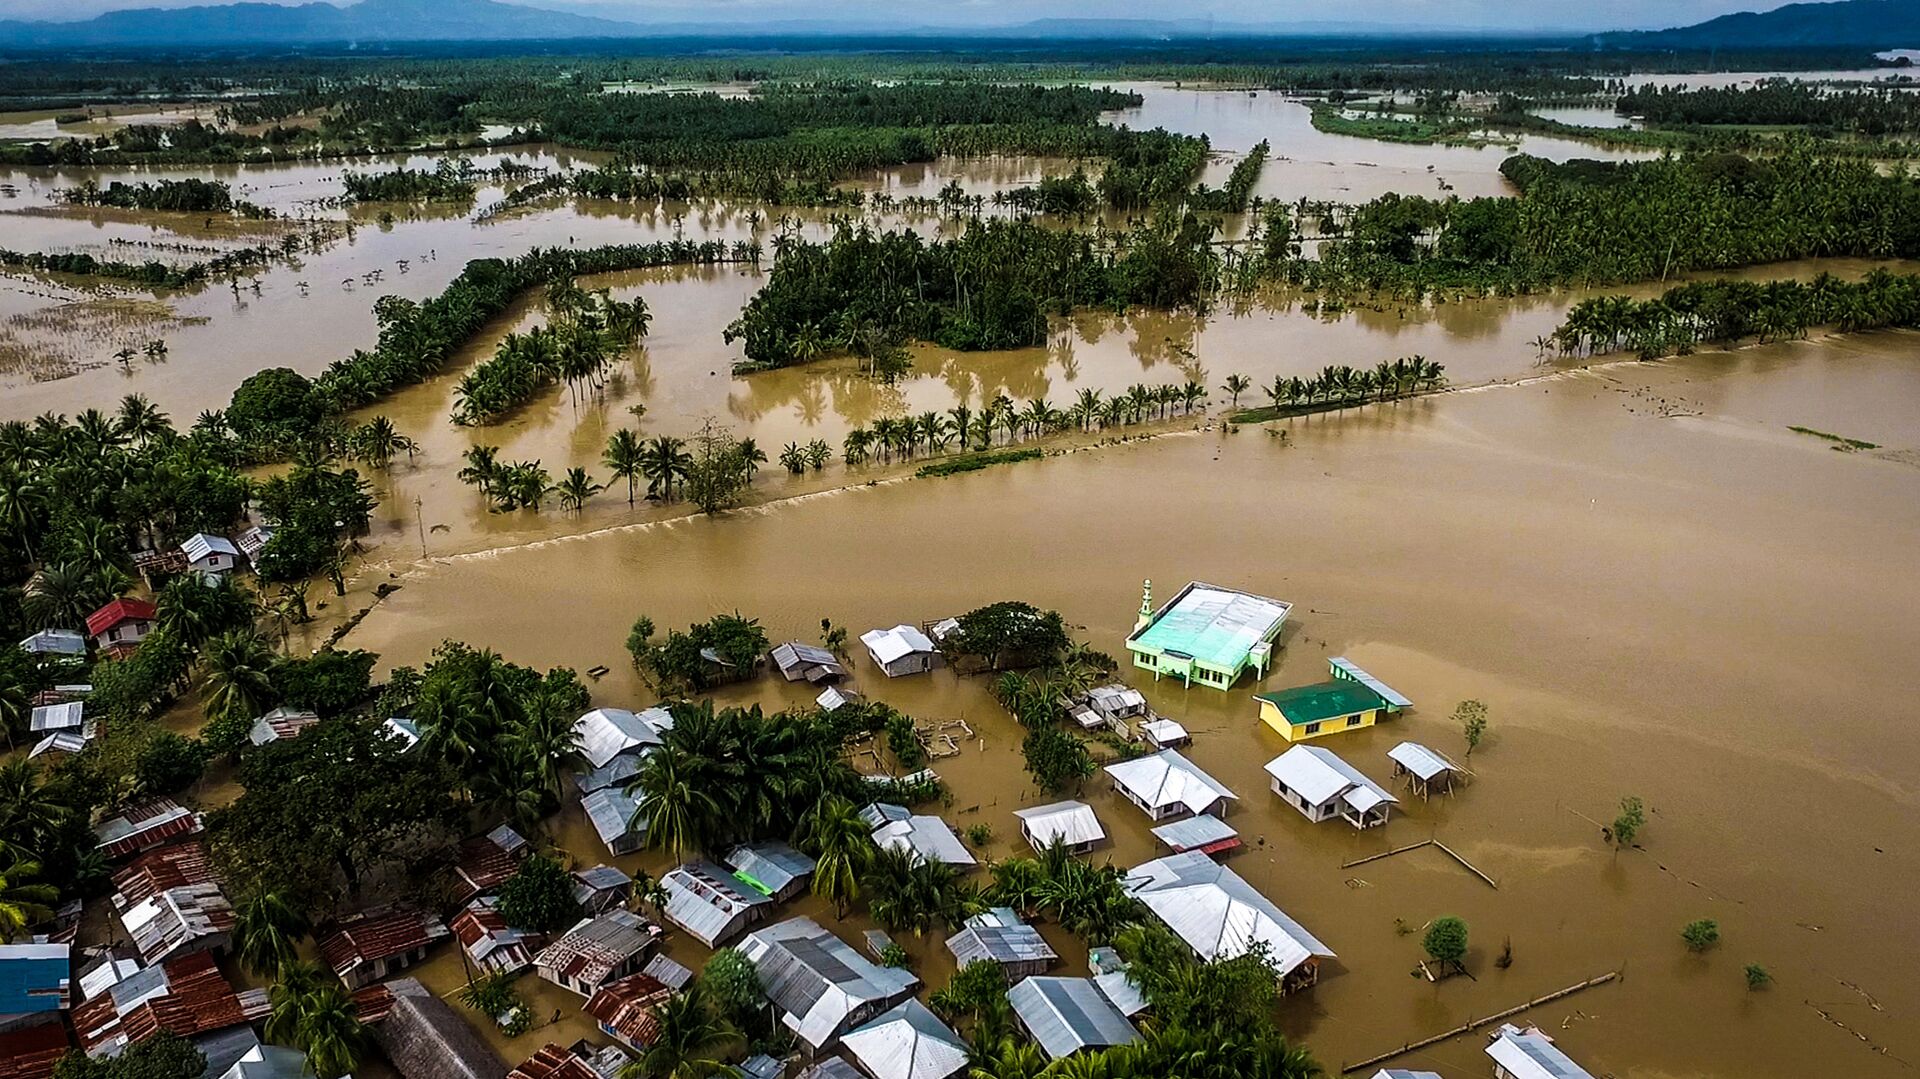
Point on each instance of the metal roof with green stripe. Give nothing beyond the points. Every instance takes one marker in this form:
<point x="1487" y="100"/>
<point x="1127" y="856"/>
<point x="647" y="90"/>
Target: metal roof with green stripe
<point x="1323" y="701"/>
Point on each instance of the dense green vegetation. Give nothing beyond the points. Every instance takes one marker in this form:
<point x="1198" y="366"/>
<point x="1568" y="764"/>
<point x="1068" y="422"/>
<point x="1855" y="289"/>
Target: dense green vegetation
<point x="583" y="335"/>
<point x="190" y="195"/>
<point x="446" y="184"/>
<point x="154" y="273"/>
<point x="1776" y="102"/>
<point x="1726" y="312"/>
<point x="974" y="462"/>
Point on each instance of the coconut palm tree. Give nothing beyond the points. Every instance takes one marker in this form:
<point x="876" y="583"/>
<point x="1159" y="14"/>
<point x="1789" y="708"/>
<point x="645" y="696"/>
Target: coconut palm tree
<point x="1234" y="386"/>
<point x="664" y="462"/>
<point x="576" y="489"/>
<point x="330" y="1032"/>
<point x="751" y="458"/>
<point x="549" y="741"/>
<point x="237" y="684"/>
<point x="265" y="931"/>
<point x="842" y="845"/>
<point x="24" y="901"/>
<point x="377" y="441"/>
<point x="30" y="811"/>
<point x="140" y="420"/>
<point x="692" y="1036"/>
<point x="678" y="812"/>
<point x="624" y="458"/>
<point x="482" y="469"/>
<point x="61" y="595"/>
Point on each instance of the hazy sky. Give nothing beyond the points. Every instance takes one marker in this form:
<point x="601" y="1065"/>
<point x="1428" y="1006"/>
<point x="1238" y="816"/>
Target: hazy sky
<point x="1465" y="14"/>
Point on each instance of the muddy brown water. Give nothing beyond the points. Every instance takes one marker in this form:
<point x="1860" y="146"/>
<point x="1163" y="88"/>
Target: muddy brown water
<point x="1656" y="588"/>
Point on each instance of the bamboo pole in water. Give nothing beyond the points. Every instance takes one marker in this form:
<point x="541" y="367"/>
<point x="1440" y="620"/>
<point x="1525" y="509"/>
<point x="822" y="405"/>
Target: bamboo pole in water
<point x="1475" y="1024"/>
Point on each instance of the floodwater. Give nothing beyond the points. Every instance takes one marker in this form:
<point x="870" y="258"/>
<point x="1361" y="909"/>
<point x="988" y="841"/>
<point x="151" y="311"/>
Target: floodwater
<point x="1657" y="589"/>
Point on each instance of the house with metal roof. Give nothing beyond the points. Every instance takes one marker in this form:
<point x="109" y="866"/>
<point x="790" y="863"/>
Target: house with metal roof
<point x="1067" y="1015"/>
<point x="600" y="887"/>
<point x="1164" y="733"/>
<point x="55" y="642"/>
<point x="32" y="1052"/>
<point x="1315" y="781"/>
<point x="999" y="936"/>
<point x="1426" y="771"/>
<point x="424" y="1038"/>
<point x="253" y="541"/>
<point x="374" y="945"/>
<point x="187" y="996"/>
<point x="68" y="715"/>
<point x="1167" y="784"/>
<point x="35" y="983"/>
<point x="172" y="866"/>
<point x="1111" y="978"/>
<point x="144" y="826"/>
<point x="831" y="1068"/>
<point x="799" y="662"/>
<point x="710" y="903"/>
<point x="612" y="812"/>
<point x="211" y="556"/>
<point x="926" y="838"/>
<point x="270" y="1062"/>
<point x="486" y="862"/>
<point x="618" y="772"/>
<point x="1206" y="634"/>
<point x="179" y="920"/>
<point x="121" y="624"/>
<point x="1117" y="701"/>
<point x="554" y="1061"/>
<point x="597" y="950"/>
<point x="1220" y="916"/>
<point x="1300" y="713"/>
<point x="908" y="1042"/>
<point x="820" y="984"/>
<point x="1070" y="823"/>
<point x="490" y="943"/>
<point x="668" y="973"/>
<point x="627" y="1009"/>
<point x="901" y="650"/>
<point x="834" y="697"/>
<point x="67" y="742"/>
<point x="774" y="869"/>
<point x="280" y="724"/>
<point x="606" y="733"/>
<point x="1342" y="667"/>
<point x="1404" y="1073"/>
<point x="1210" y="835"/>
<point x="1530" y="1054"/>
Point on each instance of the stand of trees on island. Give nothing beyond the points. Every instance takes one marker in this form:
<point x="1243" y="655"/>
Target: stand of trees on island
<point x="190" y="195"/>
<point x="1867" y="111"/>
<point x="1684" y="317"/>
<point x="584" y="333"/>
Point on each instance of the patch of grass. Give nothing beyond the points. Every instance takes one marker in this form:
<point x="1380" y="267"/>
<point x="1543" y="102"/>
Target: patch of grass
<point x="974" y="462"/>
<point x="1848" y="445"/>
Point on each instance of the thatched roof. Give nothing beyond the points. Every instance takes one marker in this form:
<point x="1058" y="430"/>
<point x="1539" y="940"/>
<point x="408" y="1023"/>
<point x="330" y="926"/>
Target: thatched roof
<point x="426" y="1039"/>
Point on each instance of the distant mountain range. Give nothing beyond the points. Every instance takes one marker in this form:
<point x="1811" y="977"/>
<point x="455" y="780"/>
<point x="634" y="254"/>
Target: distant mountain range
<point x="273" y="24"/>
<point x="1873" y="24"/>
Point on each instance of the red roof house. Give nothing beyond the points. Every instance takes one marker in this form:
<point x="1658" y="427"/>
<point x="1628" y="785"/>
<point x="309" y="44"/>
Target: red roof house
<point x="144" y="826"/>
<point x="121" y="623"/>
<point x="187" y="996"/>
<point x="625" y="1009"/>
<point x="554" y="1062"/>
<point x="374" y="945"/>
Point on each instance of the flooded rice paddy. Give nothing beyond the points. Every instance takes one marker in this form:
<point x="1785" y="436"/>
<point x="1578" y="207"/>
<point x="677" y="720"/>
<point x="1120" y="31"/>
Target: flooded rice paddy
<point x="1657" y="587"/>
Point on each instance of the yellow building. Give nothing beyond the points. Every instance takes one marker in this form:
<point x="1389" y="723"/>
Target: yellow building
<point x="1351" y="700"/>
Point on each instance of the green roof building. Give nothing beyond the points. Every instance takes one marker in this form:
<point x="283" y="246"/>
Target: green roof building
<point x="1206" y="634"/>
<point x="1351" y="700"/>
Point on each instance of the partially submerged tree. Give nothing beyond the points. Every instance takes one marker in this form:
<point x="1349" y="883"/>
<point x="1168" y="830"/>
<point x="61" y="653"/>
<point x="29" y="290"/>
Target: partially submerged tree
<point x="1472" y="717"/>
<point x="1446" y="943"/>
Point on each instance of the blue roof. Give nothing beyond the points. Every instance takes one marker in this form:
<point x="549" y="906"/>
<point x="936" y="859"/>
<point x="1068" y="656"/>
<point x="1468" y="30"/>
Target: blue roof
<point x="33" y="978"/>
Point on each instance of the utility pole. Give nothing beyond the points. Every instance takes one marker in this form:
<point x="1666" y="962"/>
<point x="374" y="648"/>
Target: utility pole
<point x="421" y="524"/>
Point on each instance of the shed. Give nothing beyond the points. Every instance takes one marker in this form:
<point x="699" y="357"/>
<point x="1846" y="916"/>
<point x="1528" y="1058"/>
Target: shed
<point x="35" y="983"/>
<point x="998" y="935"/>
<point x="901" y="650"/>
<point x="425" y="1038"/>
<point x="1166" y="784"/>
<point x="374" y="945"/>
<point x="626" y="1008"/>
<point x="710" y="903"/>
<point x="606" y="733"/>
<point x="69" y="716"/>
<point x="1117" y="701"/>
<point x="1067" y="1015"/>
<point x="145" y="825"/>
<point x="490" y="943"/>
<point x="927" y="838"/>
<point x="1304" y="712"/>
<point x="1427" y="771"/>
<point x="123" y="622"/>
<point x="1315" y="781"/>
<point x="1530" y="1054"/>
<point x="1207" y="634"/>
<point x="1203" y="833"/>
<point x="600" y="887"/>
<point x="799" y="662"/>
<point x="612" y="812"/>
<point x="1165" y="733"/>
<point x="179" y="920"/>
<point x="774" y="869"/>
<point x="1070" y="823"/>
<point x="819" y="983"/>
<point x="908" y="1042"/>
<point x="1220" y="916"/>
<point x="280" y="724"/>
<point x="209" y="555"/>
<point x="55" y="642"/>
<point x="597" y="950"/>
<point x="486" y="862"/>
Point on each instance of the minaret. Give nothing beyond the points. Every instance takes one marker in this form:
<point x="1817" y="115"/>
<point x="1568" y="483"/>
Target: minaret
<point x="1146" y="607"/>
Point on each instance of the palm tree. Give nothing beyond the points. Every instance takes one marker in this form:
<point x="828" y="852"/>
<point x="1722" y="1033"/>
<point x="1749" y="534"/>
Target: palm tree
<point x="140" y="420"/>
<point x="678" y="811"/>
<point x="378" y="440"/>
<point x="1235" y="385"/>
<point x="237" y="683"/>
<point x="30" y="810"/>
<point x="664" y="462"/>
<point x="751" y="458"/>
<point x="23" y="900"/>
<point x="841" y="844"/>
<point x="692" y="1035"/>
<point x="482" y="469"/>
<point x="330" y="1032"/>
<point x="576" y="488"/>
<point x="548" y="740"/>
<point x="624" y="458"/>
<point x="61" y="595"/>
<point x="265" y="931"/>
<point x="793" y="458"/>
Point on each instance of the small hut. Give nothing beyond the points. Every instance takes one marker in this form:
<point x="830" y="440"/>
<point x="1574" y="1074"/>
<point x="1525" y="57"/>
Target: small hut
<point x="1427" y="771"/>
<point x="999" y="936"/>
<point x="425" y="1038"/>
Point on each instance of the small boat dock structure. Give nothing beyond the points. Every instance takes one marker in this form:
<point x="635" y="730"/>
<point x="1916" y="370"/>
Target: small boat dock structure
<point x="1208" y="835"/>
<point x="901" y="650"/>
<point x="1530" y="1054"/>
<point x="1206" y="634"/>
<point x="1067" y="1015"/>
<point x="1166" y="784"/>
<point x="1072" y="824"/>
<point x="1221" y="916"/>
<point x="927" y="838"/>
<point x="1427" y="771"/>
<point x="998" y="935"/>
<point x="1315" y="781"/>
<point x="799" y="662"/>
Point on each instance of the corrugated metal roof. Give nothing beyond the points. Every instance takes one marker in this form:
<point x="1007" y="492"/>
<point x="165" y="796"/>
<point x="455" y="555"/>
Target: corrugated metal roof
<point x="999" y="935"/>
<point x="798" y="661"/>
<point x="59" y="742"/>
<point x="201" y="544"/>
<point x="281" y="723"/>
<point x="144" y="826"/>
<point x="32" y="1052"/>
<point x="1318" y="775"/>
<point x="1404" y="1073"/>
<point x="1322" y="701"/>
<point x="707" y="902"/>
<point x="595" y="881"/>
<point x="1342" y="666"/>
<point x="1217" y="914"/>
<point x="888" y="645"/>
<point x="403" y="729"/>
<point x="487" y="938"/>
<point x="1167" y="778"/>
<point x="1121" y="992"/>
<point x="611" y="811"/>
<point x="1217" y="626"/>
<point x="928" y="838"/>
<point x="769" y="867"/>
<point x="909" y="1042"/>
<point x="672" y="974"/>
<point x="554" y="1062"/>
<point x="177" y="918"/>
<point x="595" y="948"/>
<point x="1164" y="732"/>
<point x="162" y="868"/>
<point x="378" y="934"/>
<point x="269" y="1062"/>
<point x="58" y="717"/>
<point x="626" y="1008"/>
<point x="1530" y="1054"/>
<point x="56" y="642"/>
<point x="188" y="996"/>
<point x="1066" y="1015"/>
<point x="1070" y="822"/>
<point x="605" y="733"/>
<point x="486" y="862"/>
<point x="1116" y="699"/>
<point x="1193" y="833"/>
<point x="615" y="773"/>
<point x="120" y="610"/>
<point x="1421" y="761"/>
<point x="832" y="1068"/>
<point x="819" y="980"/>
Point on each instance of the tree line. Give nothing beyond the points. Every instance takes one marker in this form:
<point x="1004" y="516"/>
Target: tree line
<point x="189" y="195"/>
<point x="1726" y="312"/>
<point x="584" y="333"/>
<point x="1872" y="111"/>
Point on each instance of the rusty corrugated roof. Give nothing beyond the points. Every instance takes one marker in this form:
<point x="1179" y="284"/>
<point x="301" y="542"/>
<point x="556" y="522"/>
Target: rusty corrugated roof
<point x="174" y="866"/>
<point x="188" y="996"/>
<point x="378" y="934"/>
<point x="625" y="1008"/>
<point x="553" y="1062"/>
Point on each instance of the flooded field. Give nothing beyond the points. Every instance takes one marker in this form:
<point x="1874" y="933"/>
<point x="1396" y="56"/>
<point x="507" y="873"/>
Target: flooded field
<point x="1656" y="588"/>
